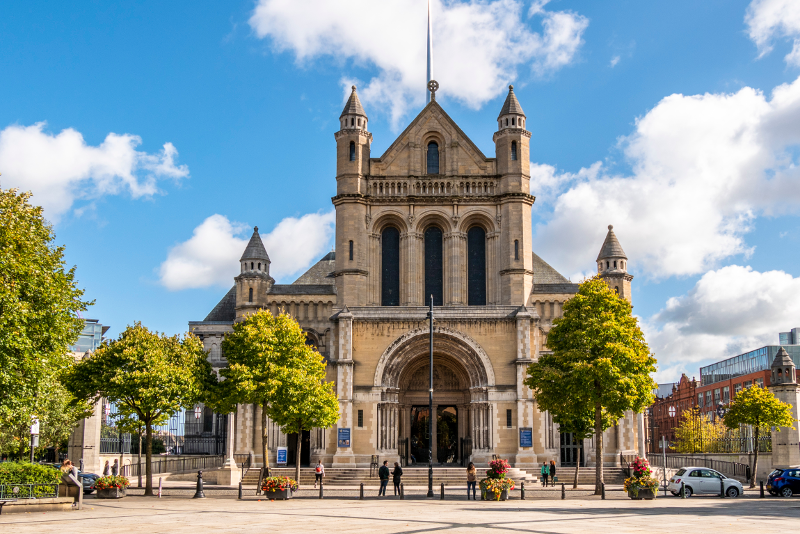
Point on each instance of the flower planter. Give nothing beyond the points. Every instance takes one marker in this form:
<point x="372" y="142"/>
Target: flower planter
<point x="111" y="493"/>
<point x="504" y="495"/>
<point x="646" y="494"/>
<point x="280" y="495"/>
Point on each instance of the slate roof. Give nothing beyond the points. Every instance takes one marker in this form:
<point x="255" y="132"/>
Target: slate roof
<point x="225" y="310"/>
<point x="255" y="248"/>
<point x="319" y="273"/>
<point x="548" y="280"/>
<point x="303" y="289"/>
<point x="353" y="105"/>
<point x="511" y="104"/>
<point x="611" y="247"/>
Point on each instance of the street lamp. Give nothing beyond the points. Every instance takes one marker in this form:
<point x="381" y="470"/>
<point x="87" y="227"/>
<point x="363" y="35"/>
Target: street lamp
<point x="430" y="405"/>
<point x="721" y="410"/>
<point x="34" y="435"/>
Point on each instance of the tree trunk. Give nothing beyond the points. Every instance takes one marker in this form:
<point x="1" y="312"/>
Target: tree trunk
<point x="140" y="457"/>
<point x="264" y="440"/>
<point x="577" y="468"/>
<point x="148" y="488"/>
<point x="754" y="475"/>
<point x="297" y="461"/>
<point x="598" y="436"/>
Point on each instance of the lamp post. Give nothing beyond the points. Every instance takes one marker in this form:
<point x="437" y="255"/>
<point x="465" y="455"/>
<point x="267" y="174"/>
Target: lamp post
<point x="430" y="405"/>
<point x="34" y="435"/>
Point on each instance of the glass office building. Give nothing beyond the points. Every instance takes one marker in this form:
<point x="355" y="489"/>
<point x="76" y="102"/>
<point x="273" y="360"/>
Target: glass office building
<point x="90" y="337"/>
<point x="744" y="364"/>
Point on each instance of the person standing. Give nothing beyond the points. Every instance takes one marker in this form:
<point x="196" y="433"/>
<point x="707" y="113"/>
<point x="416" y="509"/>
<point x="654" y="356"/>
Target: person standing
<point x="319" y="472"/>
<point x="115" y="468"/>
<point x="106" y="469"/>
<point x="472" y="480"/>
<point x="396" y="474"/>
<point x="552" y="472"/>
<point x="383" y="474"/>
<point x="545" y="473"/>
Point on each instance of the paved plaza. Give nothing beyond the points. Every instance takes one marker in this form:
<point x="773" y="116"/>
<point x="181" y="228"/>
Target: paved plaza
<point x="541" y="512"/>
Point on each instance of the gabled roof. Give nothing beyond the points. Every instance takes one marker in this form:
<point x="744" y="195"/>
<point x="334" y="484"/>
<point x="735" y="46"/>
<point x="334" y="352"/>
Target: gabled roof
<point x="429" y="108"/>
<point x="319" y="273"/>
<point x="611" y="247"/>
<point x="255" y="248"/>
<point x="511" y="104"/>
<point x="353" y="105"/>
<point x="543" y="273"/>
<point x="225" y="310"/>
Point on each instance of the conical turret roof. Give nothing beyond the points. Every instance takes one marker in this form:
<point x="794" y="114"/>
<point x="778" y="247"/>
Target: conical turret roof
<point x="255" y="248"/>
<point x="611" y="247"/>
<point x="353" y="106"/>
<point x="782" y="359"/>
<point x="511" y="104"/>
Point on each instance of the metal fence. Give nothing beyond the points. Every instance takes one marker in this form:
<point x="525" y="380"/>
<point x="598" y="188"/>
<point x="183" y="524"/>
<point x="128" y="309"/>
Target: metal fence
<point x="166" y="464"/>
<point x="28" y="491"/>
<point x="731" y="469"/>
<point x="725" y="445"/>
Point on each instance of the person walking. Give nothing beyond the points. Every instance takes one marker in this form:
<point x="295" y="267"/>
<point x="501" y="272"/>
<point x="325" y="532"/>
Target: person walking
<point x="552" y="472"/>
<point x="115" y="468"/>
<point x="472" y="479"/>
<point x="319" y="472"/>
<point x="545" y="473"/>
<point x="396" y="474"/>
<point x="107" y="470"/>
<point x="383" y="474"/>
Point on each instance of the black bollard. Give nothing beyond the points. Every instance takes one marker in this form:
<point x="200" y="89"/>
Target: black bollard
<point x="198" y="494"/>
<point x="761" y="486"/>
<point x="522" y="491"/>
<point x="442" y="498"/>
<point x="603" y="490"/>
<point x="240" y="490"/>
<point x="683" y="490"/>
<point x="721" y="488"/>
<point x="402" y="494"/>
<point x="361" y="492"/>
<point x="320" y="489"/>
<point x="563" y="492"/>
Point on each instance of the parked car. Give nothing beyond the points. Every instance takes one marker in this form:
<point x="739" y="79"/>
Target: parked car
<point x="784" y="482"/>
<point x="697" y="480"/>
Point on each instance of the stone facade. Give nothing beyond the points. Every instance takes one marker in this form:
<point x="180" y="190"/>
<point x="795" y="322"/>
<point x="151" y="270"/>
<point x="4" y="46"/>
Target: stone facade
<point x="432" y="217"/>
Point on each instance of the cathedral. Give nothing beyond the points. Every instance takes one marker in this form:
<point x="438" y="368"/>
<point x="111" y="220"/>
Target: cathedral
<point x="430" y="218"/>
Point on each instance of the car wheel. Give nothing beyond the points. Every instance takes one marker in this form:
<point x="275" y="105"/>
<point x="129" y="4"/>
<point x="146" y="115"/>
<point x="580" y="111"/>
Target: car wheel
<point x="732" y="492"/>
<point x="786" y="491"/>
<point x="687" y="491"/>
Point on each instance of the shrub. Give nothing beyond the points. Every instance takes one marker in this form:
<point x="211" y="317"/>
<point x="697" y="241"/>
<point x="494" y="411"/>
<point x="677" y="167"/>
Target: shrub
<point x="28" y="473"/>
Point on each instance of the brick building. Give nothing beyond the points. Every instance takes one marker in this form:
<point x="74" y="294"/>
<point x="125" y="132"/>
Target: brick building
<point x="666" y="413"/>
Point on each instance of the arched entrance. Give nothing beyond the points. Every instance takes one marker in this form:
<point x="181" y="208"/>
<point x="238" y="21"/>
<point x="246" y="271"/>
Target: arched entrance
<point x="462" y="415"/>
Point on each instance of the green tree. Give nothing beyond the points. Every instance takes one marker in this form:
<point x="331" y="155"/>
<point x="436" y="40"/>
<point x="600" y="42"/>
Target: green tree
<point x="39" y="303"/>
<point x="600" y="359"/>
<point x="147" y="374"/>
<point x="580" y="425"/>
<point x="303" y="400"/>
<point x="696" y="433"/>
<point x="758" y="407"/>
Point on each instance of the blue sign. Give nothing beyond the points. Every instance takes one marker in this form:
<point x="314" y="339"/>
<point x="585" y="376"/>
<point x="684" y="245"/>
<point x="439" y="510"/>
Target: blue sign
<point x="282" y="455"/>
<point x="526" y="437"/>
<point x="344" y="437"/>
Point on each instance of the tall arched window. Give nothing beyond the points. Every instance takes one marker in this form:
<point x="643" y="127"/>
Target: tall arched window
<point x="513" y="151"/>
<point x="390" y="262"/>
<point x="433" y="158"/>
<point x="434" y="273"/>
<point x="476" y="266"/>
<point x="250" y="298"/>
<point x="352" y="151"/>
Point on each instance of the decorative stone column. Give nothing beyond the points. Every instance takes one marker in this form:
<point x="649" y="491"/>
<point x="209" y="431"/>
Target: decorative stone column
<point x="343" y="457"/>
<point x="526" y="456"/>
<point x="229" y="474"/>
<point x="783" y="384"/>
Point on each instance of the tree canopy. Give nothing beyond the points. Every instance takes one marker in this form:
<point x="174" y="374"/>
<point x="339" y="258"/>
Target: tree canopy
<point x="39" y="306"/>
<point x="600" y="362"/>
<point x="147" y="375"/>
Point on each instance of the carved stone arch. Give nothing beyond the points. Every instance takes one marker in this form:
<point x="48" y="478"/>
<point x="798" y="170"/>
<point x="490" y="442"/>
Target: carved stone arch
<point x="429" y="217"/>
<point x="477" y="218"/>
<point x="389" y="218"/>
<point x="447" y="343"/>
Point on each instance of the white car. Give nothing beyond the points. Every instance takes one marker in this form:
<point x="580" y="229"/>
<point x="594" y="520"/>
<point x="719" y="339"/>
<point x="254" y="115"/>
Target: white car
<point x="697" y="480"/>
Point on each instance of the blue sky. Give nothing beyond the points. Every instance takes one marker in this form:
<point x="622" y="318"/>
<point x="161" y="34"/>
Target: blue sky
<point x="157" y="134"/>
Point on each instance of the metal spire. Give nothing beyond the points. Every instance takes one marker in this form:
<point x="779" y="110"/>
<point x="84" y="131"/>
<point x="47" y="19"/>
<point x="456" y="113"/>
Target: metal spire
<point x="430" y="52"/>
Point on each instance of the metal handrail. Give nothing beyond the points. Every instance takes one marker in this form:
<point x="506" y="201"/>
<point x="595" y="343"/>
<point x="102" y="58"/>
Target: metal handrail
<point x="727" y="468"/>
<point x="177" y="465"/>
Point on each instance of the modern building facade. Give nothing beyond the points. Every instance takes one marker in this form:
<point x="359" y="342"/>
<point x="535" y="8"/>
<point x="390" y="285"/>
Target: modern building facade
<point x="431" y="218"/>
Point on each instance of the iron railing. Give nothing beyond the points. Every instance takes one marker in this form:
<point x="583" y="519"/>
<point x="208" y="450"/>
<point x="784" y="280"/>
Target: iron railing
<point x="166" y="464"/>
<point x="731" y="469"/>
<point x="244" y="461"/>
<point x="28" y="491"/>
<point x="725" y="445"/>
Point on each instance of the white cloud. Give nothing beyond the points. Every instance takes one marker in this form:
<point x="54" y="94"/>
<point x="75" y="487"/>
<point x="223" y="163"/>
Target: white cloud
<point x="59" y="169"/>
<point x="770" y="19"/>
<point x="211" y="256"/>
<point x="614" y="61"/>
<point x="478" y="45"/>
<point x="729" y="311"/>
<point x="703" y="168"/>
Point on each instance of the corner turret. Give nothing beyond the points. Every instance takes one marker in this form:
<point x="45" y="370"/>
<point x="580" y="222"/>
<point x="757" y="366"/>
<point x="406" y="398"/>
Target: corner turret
<point x="254" y="281"/>
<point x="612" y="265"/>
